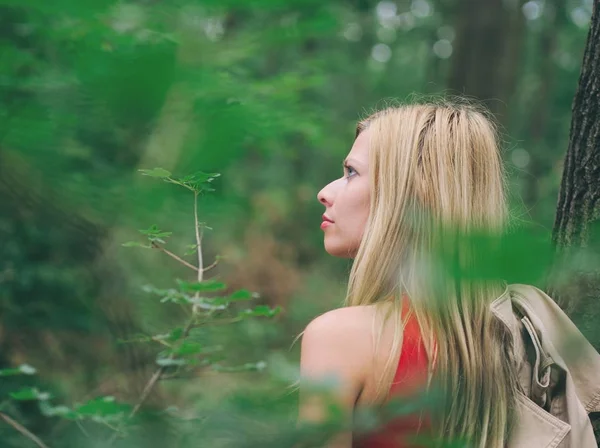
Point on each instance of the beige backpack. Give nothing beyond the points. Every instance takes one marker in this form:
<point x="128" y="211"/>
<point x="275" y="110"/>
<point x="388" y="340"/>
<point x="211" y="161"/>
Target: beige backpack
<point x="559" y="372"/>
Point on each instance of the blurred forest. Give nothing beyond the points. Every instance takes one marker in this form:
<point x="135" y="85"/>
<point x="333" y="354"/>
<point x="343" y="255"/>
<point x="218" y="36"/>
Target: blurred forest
<point x="266" y="93"/>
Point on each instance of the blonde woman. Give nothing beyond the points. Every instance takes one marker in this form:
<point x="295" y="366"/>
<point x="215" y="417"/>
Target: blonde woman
<point x="417" y="179"/>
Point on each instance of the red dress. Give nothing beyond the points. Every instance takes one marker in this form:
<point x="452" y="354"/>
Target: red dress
<point x="409" y="380"/>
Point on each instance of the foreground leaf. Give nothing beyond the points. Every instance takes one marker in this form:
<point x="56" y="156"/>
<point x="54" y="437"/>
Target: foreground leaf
<point x="261" y="311"/>
<point x="28" y="394"/>
<point x="205" y="286"/>
<point x="23" y="369"/>
<point x="156" y="172"/>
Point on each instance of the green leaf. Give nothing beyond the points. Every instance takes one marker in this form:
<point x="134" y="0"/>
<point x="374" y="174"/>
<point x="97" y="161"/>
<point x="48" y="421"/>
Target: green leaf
<point x="207" y="303"/>
<point x="172" y="336"/>
<point x="199" y="181"/>
<point x="193" y="248"/>
<point x="154" y="232"/>
<point x="168" y="362"/>
<point x="103" y="408"/>
<point x="237" y="296"/>
<point x="156" y="172"/>
<point x="29" y="393"/>
<point x="10" y="372"/>
<point x="150" y="230"/>
<point x="27" y="369"/>
<point x="261" y="311"/>
<point x="205" y="286"/>
<point x="243" y="294"/>
<point x="248" y="367"/>
<point x="188" y="348"/>
<point x="57" y="411"/>
<point x="23" y="369"/>
<point x="135" y="244"/>
<point x="168" y="295"/>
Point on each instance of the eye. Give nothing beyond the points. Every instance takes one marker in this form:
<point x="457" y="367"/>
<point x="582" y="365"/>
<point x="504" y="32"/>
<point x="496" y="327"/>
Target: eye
<point x="350" y="172"/>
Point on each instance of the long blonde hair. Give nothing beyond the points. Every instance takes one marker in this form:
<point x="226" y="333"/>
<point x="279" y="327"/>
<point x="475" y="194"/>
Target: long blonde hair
<point x="436" y="176"/>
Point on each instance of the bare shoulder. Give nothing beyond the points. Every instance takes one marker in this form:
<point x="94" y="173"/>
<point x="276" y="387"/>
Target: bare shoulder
<point x="337" y="346"/>
<point x="339" y="342"/>
<point x="344" y="322"/>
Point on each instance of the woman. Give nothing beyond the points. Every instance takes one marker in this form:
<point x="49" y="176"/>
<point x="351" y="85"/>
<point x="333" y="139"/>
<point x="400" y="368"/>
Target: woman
<point x="416" y="181"/>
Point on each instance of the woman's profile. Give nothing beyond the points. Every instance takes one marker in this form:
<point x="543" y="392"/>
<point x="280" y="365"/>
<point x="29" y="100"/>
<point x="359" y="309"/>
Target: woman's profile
<point x="418" y="180"/>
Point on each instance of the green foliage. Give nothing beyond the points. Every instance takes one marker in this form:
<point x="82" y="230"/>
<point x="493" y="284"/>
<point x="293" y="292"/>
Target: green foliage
<point x="23" y="369"/>
<point x="29" y="393"/>
<point x="267" y="93"/>
<point x="183" y="354"/>
<point x="198" y="182"/>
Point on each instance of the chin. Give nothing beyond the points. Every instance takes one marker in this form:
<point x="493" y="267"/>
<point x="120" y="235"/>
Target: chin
<point x="340" y="251"/>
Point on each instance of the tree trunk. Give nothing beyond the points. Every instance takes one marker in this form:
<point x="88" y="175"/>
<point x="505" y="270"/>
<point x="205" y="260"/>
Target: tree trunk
<point x="542" y="109"/>
<point x="577" y="225"/>
<point x="488" y="47"/>
<point x="578" y="206"/>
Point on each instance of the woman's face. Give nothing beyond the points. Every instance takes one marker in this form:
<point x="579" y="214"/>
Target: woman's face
<point x="346" y="202"/>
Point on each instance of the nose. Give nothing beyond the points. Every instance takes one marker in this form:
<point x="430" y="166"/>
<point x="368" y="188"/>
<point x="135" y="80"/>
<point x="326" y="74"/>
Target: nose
<point x="325" y="196"/>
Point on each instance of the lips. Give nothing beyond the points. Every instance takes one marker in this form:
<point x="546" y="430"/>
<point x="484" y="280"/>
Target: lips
<point x="326" y="222"/>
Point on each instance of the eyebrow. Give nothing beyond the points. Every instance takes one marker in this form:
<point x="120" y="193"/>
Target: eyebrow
<point x="352" y="161"/>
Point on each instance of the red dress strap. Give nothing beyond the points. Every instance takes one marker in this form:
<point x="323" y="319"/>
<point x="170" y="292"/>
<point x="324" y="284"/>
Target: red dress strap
<point x="410" y="378"/>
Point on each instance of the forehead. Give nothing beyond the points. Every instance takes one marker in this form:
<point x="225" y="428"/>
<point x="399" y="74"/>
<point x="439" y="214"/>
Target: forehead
<point x="360" y="148"/>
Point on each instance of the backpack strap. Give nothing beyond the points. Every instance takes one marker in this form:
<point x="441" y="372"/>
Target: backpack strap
<point x="539" y="363"/>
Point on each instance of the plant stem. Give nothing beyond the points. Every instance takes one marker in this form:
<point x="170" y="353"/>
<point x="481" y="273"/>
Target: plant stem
<point x="23" y="430"/>
<point x="198" y="238"/>
<point x="220" y="322"/>
<point x="147" y="389"/>
<point x="208" y="268"/>
<point x="153" y="380"/>
<point x="191" y="323"/>
<point x="175" y="257"/>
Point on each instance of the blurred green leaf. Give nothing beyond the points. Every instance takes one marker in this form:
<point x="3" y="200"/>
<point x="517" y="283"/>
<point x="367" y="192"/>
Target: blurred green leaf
<point x="193" y="248"/>
<point x="57" y="411"/>
<point x="29" y="393"/>
<point x="172" y="336"/>
<point x="156" y="172"/>
<point x="23" y="369"/>
<point x="135" y="244"/>
<point x="154" y="232"/>
<point x="248" y="367"/>
<point x="169" y="362"/>
<point x="199" y="181"/>
<point x="103" y="409"/>
<point x="204" y="286"/>
<point x="237" y="296"/>
<point x="261" y="311"/>
<point x="188" y="348"/>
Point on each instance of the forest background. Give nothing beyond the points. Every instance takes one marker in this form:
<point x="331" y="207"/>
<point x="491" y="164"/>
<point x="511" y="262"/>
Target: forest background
<point x="266" y="93"/>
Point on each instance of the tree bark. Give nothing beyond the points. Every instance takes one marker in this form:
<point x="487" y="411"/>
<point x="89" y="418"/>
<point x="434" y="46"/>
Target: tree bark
<point x="488" y="47"/>
<point x="578" y="203"/>
<point x="542" y="109"/>
<point x="577" y="226"/>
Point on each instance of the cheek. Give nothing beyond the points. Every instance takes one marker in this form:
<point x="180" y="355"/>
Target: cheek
<point x="356" y="212"/>
<point x="361" y="207"/>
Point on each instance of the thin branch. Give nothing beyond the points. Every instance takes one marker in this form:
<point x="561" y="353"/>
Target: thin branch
<point x="220" y="322"/>
<point x="208" y="268"/>
<point x="153" y="380"/>
<point x="198" y="238"/>
<point x="191" y="323"/>
<point x="175" y="257"/>
<point x="23" y="430"/>
<point x="147" y="389"/>
<point x="160" y="341"/>
<point x="82" y="429"/>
